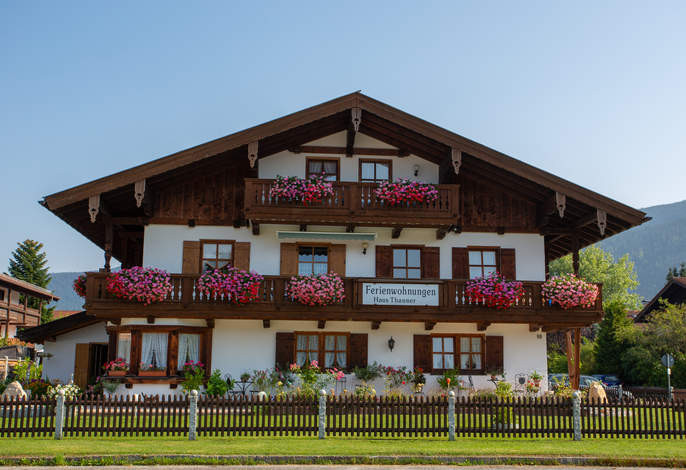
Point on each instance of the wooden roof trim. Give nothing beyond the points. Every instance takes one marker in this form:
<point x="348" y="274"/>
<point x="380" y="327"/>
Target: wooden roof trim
<point x="40" y="333"/>
<point x="679" y="282"/>
<point x="26" y="287"/>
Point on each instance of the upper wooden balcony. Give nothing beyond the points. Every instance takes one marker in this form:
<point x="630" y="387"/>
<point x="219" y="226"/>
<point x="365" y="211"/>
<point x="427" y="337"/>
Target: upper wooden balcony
<point x="19" y="314"/>
<point x="452" y="305"/>
<point x="351" y="204"/>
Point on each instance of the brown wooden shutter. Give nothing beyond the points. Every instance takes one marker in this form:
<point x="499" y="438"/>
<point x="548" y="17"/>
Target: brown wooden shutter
<point x="422" y="352"/>
<point x="460" y="263"/>
<point x="81" y="364"/>
<point x="337" y="259"/>
<point x="173" y="354"/>
<point x="285" y="350"/>
<point x="384" y="261"/>
<point x="241" y="255"/>
<point x="494" y="353"/>
<point x="135" y="352"/>
<point x="112" y="345"/>
<point x="431" y="262"/>
<point x="191" y="257"/>
<point x="358" y="350"/>
<point x="289" y="259"/>
<point x="508" y="268"/>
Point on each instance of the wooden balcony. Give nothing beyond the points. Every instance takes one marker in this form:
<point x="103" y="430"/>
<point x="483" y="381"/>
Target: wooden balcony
<point x="451" y="305"/>
<point x="350" y="204"/>
<point x="19" y="314"/>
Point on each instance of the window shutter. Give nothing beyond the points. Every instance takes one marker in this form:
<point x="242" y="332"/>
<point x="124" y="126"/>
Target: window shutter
<point x="285" y="350"/>
<point x="337" y="259"/>
<point x="358" y="350"/>
<point x="494" y="353"/>
<point x="508" y="268"/>
<point x="422" y="352"/>
<point x="384" y="261"/>
<point x="241" y="255"/>
<point x="289" y="259"/>
<point x="191" y="257"/>
<point x="112" y="345"/>
<point x="431" y="262"/>
<point x="173" y="359"/>
<point x="460" y="263"/>
<point x="81" y="364"/>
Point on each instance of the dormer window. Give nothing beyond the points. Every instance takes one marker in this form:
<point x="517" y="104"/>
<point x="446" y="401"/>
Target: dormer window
<point x="328" y="168"/>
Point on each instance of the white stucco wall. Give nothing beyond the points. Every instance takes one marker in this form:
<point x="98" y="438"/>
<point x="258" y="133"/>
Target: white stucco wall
<point x="61" y="365"/>
<point x="163" y="247"/>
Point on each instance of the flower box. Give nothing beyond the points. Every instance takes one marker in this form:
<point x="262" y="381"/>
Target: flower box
<point x="303" y="190"/>
<point x="153" y="373"/>
<point x="233" y="284"/>
<point x="568" y="291"/>
<point x="117" y="373"/>
<point x="317" y="290"/>
<point x="405" y="192"/>
<point x="138" y="284"/>
<point x="494" y="291"/>
<point x="80" y="285"/>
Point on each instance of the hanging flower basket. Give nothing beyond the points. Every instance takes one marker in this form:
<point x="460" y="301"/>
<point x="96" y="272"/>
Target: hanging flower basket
<point x="305" y="190"/>
<point x="80" y="285"/>
<point x="317" y="290"/>
<point x="494" y="291"/>
<point x="236" y="285"/>
<point x="145" y="285"/>
<point x="568" y="291"/>
<point x="404" y="191"/>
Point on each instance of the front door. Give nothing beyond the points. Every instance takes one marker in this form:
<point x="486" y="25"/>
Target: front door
<point x="88" y="361"/>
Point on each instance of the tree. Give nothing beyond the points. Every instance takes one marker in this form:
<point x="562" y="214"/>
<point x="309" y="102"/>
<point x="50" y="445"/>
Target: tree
<point x="619" y="277"/>
<point x="610" y="345"/>
<point x="676" y="272"/>
<point x="29" y="263"/>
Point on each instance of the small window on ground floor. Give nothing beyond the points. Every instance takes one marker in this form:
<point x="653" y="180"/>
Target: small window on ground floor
<point x="328" y="349"/>
<point x="154" y="351"/>
<point x="189" y="348"/>
<point x="465" y="352"/>
<point x="124" y="346"/>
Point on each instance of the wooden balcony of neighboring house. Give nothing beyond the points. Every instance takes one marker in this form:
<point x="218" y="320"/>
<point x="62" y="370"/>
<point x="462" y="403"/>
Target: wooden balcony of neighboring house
<point x="21" y="302"/>
<point x="20" y="314"/>
<point x="448" y="303"/>
<point x="351" y="204"/>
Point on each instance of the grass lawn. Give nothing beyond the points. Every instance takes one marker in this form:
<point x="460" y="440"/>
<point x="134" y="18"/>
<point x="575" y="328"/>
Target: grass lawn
<point x="210" y="446"/>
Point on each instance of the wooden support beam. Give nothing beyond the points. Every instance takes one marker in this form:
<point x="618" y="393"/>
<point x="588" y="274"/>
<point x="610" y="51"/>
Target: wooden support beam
<point x="350" y="141"/>
<point x="482" y="326"/>
<point x="303" y="227"/>
<point x="376" y="325"/>
<point x="109" y="236"/>
<point x="115" y="321"/>
<point x="396" y="232"/>
<point x="429" y="325"/>
<point x="266" y="323"/>
<point x="534" y="327"/>
<point x="573" y="356"/>
<point x="575" y="254"/>
<point x="255" y="228"/>
<point x="362" y="151"/>
<point x="441" y="233"/>
<point x="350" y="228"/>
<point x="209" y="322"/>
<point x="321" y="324"/>
<point x="500" y="230"/>
<point x="150" y="319"/>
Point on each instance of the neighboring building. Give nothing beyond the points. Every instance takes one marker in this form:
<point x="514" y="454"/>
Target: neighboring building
<point x="210" y="206"/>
<point x="15" y="297"/>
<point x="673" y="292"/>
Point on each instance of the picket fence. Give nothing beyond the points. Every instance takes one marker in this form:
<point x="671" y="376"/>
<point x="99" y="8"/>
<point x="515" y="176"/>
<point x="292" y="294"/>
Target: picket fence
<point x="342" y="416"/>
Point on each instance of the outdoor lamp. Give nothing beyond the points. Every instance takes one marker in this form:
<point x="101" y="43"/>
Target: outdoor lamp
<point x="391" y="343"/>
<point x="365" y="245"/>
<point x="415" y="168"/>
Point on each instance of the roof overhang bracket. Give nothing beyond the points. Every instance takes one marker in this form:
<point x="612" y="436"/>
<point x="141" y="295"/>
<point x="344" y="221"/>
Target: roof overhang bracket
<point x="252" y="153"/>
<point x="456" y="157"/>
<point x="560" y="203"/>
<point x="139" y="192"/>
<point x="602" y="221"/>
<point x="93" y="206"/>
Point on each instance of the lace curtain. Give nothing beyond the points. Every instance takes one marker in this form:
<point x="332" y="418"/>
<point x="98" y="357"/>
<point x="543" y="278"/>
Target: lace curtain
<point x="189" y="348"/>
<point x="154" y="350"/>
<point x="124" y="346"/>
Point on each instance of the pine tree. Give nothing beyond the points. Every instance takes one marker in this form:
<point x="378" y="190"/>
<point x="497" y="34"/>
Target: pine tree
<point x="609" y="346"/>
<point x="29" y="263"/>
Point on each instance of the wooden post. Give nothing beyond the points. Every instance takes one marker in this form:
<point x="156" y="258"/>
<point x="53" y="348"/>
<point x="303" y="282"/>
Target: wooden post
<point x="108" y="245"/>
<point x="575" y="254"/>
<point x="9" y="307"/>
<point x="573" y="356"/>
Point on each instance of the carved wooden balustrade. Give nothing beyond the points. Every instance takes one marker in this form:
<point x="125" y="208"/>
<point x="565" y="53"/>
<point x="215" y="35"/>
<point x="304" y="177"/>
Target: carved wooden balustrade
<point x="351" y="203"/>
<point x="185" y="301"/>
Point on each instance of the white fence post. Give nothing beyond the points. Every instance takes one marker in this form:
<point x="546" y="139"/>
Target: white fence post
<point x="451" y="416"/>
<point x="576" y="415"/>
<point x="59" y="415"/>
<point x="322" y="414"/>
<point x="193" y="416"/>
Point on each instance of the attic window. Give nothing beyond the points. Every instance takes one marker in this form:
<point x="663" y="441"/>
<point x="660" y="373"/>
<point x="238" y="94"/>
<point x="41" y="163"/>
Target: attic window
<point x="323" y="167"/>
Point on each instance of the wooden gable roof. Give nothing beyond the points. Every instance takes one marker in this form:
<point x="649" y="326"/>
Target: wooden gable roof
<point x="378" y="120"/>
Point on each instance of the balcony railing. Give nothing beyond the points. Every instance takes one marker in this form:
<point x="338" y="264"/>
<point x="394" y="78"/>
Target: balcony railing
<point x="19" y="314"/>
<point x="451" y="304"/>
<point x="354" y="203"/>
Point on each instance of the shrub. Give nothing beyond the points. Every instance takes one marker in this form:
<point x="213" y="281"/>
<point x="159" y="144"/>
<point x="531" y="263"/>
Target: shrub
<point x="193" y="376"/>
<point x="305" y="190"/>
<point x="218" y="386"/>
<point x="449" y="380"/>
<point x="38" y="387"/>
<point x="568" y="291"/>
<point x="316" y="290"/>
<point x="140" y="284"/>
<point x="404" y="191"/>
<point x="237" y="285"/>
<point x="71" y="391"/>
<point x="494" y="291"/>
<point x="368" y="373"/>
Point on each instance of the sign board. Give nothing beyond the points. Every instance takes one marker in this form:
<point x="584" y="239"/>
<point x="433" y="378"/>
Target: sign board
<point x="409" y="295"/>
<point x="668" y="360"/>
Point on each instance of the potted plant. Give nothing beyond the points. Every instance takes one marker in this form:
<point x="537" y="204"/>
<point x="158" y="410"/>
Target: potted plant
<point x="138" y="284"/>
<point x="234" y="284"/>
<point x="80" y="285"/>
<point x="193" y="376"/>
<point x="568" y="291"/>
<point x="496" y="375"/>
<point x="403" y="191"/>
<point x="494" y="291"/>
<point x="418" y="380"/>
<point x="449" y="380"/>
<point x="536" y="378"/>
<point x="116" y="368"/>
<point x="317" y="290"/>
<point x="152" y="370"/>
<point x="305" y="190"/>
<point x="218" y="386"/>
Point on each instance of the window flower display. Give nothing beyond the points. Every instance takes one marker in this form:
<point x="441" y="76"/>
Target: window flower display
<point x="80" y="285"/>
<point x="118" y="367"/>
<point x="568" y="291"/>
<point x="145" y="285"/>
<point x="494" y="291"/>
<point x="239" y="286"/>
<point x="306" y="190"/>
<point x="404" y="191"/>
<point x="316" y="290"/>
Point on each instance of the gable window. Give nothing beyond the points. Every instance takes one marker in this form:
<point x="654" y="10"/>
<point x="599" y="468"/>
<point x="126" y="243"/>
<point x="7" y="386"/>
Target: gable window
<point x="462" y="352"/>
<point x="313" y="260"/>
<point x="322" y="167"/>
<point x="482" y="262"/>
<point x="328" y="349"/>
<point x="375" y="171"/>
<point x="407" y="263"/>
<point x="216" y="254"/>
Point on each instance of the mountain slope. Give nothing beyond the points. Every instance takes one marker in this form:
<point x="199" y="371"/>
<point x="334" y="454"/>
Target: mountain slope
<point x="61" y="286"/>
<point x="654" y="246"/>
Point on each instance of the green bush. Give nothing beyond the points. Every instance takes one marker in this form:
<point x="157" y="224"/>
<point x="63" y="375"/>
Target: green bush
<point x="218" y="386"/>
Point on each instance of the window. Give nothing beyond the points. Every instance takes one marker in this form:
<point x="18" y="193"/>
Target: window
<point x="313" y="260"/>
<point x="124" y="347"/>
<point x="443" y="352"/>
<point x="407" y="263"/>
<point x="216" y="254"/>
<point x="189" y="348"/>
<point x="482" y="262"/>
<point x="154" y="351"/>
<point x="374" y="171"/>
<point x="467" y="350"/>
<point x="321" y="167"/>
<point x="328" y="349"/>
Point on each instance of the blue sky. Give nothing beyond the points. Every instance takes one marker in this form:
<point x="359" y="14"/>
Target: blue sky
<point x="591" y="91"/>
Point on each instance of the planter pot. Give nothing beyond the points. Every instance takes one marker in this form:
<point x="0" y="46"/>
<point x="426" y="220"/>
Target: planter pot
<point x="117" y="373"/>
<point x="153" y="373"/>
<point x="537" y="382"/>
<point x="418" y="388"/>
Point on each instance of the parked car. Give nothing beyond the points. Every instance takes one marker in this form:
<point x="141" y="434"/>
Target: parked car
<point x="608" y="380"/>
<point x="585" y="381"/>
